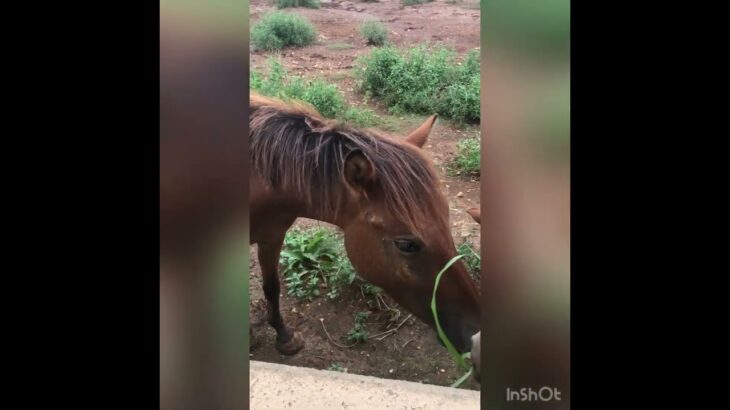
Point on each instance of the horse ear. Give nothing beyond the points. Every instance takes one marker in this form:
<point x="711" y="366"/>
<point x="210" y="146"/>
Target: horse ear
<point x="475" y="213"/>
<point x="419" y="136"/>
<point x="359" y="171"/>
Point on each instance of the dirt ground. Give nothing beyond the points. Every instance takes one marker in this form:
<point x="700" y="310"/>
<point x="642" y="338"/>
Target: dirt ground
<point x="413" y="352"/>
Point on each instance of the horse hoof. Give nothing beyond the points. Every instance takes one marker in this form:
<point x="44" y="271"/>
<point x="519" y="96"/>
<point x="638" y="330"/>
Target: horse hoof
<point x="294" y="345"/>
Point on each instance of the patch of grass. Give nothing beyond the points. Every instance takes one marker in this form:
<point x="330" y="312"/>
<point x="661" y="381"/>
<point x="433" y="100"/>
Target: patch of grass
<point x="324" y="97"/>
<point x="360" y="117"/>
<point x="422" y="81"/>
<point x="337" y="368"/>
<point x="278" y="29"/>
<point x="282" y="4"/>
<point x="340" y="46"/>
<point x="466" y="162"/>
<point x="358" y="334"/>
<point x="471" y="258"/>
<point x="412" y="2"/>
<point x="374" y="32"/>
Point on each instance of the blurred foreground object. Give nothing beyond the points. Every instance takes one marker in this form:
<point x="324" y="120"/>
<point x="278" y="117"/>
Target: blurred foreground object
<point x="203" y="212"/>
<point x="526" y="203"/>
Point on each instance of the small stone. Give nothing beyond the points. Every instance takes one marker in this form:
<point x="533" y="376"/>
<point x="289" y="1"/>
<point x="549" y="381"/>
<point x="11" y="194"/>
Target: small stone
<point x="460" y="194"/>
<point x="390" y="371"/>
<point x="443" y="370"/>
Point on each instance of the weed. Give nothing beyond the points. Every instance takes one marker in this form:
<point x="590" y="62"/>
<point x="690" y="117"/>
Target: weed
<point x="422" y="81"/>
<point x="277" y="30"/>
<point x="337" y="368"/>
<point x="312" y="4"/>
<point x="466" y="162"/>
<point x="310" y="258"/>
<point x="324" y="97"/>
<point x="358" y="334"/>
<point x="471" y="258"/>
<point x="315" y="258"/>
<point x="374" y="32"/>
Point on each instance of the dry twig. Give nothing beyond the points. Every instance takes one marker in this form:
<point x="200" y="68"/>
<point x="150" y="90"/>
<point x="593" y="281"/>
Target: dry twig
<point x="321" y="320"/>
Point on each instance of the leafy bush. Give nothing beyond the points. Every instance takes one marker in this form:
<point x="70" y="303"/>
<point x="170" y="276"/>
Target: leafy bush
<point x="282" y="4"/>
<point x="277" y="30"/>
<point x="315" y="258"/>
<point x="374" y="32"/>
<point x="423" y="81"/>
<point x="310" y="256"/>
<point x="467" y="158"/>
<point x="326" y="98"/>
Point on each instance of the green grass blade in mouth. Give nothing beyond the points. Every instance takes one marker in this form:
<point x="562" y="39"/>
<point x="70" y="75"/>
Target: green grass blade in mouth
<point x="449" y="346"/>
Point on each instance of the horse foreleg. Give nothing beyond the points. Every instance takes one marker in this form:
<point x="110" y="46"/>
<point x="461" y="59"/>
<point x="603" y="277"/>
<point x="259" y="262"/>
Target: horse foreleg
<point x="288" y="342"/>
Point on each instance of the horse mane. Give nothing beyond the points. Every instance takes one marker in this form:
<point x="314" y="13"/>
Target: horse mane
<point x="294" y="149"/>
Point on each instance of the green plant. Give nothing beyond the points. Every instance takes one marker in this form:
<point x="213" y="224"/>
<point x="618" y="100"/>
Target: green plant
<point x="370" y="294"/>
<point x="337" y="368"/>
<point x="278" y="29"/>
<point x="374" y="32"/>
<point x="360" y="117"/>
<point x="307" y="257"/>
<point x="312" y="4"/>
<point x="326" y="98"/>
<point x="458" y="358"/>
<point x="358" y="333"/>
<point x="471" y="258"/>
<point x="315" y="258"/>
<point x="422" y="81"/>
<point x="467" y="159"/>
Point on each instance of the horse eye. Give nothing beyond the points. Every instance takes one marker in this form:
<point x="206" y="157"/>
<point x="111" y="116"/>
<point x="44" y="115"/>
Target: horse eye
<point x="406" y="246"/>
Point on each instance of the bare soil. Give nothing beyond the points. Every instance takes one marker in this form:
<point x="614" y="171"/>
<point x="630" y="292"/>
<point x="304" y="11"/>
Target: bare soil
<point x="413" y="352"/>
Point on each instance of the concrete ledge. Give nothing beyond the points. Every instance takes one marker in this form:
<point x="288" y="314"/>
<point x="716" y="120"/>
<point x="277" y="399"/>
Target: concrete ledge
<point x="276" y="386"/>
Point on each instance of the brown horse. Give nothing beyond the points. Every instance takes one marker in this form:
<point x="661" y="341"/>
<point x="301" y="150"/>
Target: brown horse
<point x="381" y="191"/>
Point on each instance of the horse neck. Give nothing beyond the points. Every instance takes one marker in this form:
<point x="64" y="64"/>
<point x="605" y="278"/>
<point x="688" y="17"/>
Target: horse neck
<point x="340" y="216"/>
